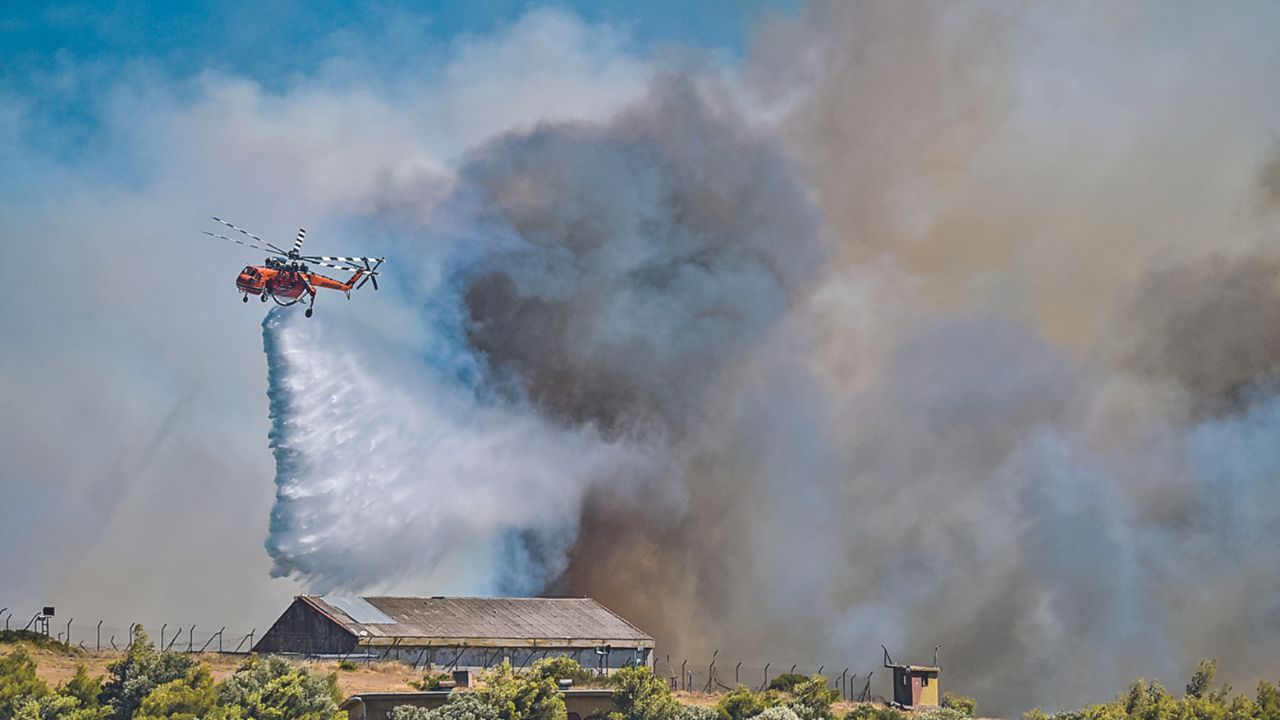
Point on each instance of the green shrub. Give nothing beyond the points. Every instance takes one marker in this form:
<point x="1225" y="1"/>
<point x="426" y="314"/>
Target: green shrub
<point x="786" y="681"/>
<point x="191" y="697"/>
<point x="274" y="688"/>
<point x="563" y="668"/>
<point x="940" y="713"/>
<point x="778" y="712"/>
<point x="431" y="681"/>
<point x="461" y="706"/>
<point x="19" y="682"/>
<point x="868" y="711"/>
<point x="141" y="670"/>
<point x="640" y="695"/>
<point x="39" y="640"/>
<point x="812" y="699"/>
<point x="699" y="712"/>
<point x="965" y="705"/>
<point x="348" y="665"/>
<point x="742" y="704"/>
<point x="517" y="697"/>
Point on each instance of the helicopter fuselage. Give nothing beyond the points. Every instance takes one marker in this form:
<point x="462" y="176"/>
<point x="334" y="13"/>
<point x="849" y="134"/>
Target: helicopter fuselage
<point x="287" y="284"/>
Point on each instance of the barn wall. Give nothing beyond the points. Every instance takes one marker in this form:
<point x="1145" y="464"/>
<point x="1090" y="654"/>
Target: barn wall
<point x="303" y="629"/>
<point x="457" y="656"/>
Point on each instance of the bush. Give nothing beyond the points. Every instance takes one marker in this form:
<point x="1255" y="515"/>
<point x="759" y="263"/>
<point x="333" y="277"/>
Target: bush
<point x="965" y="705"/>
<point x="19" y="682"/>
<point x="742" y="704"/>
<point x="786" y="681"/>
<point x="431" y="681"/>
<point x="516" y="697"/>
<point x="812" y="698"/>
<point x="348" y="665"/>
<point x="699" y="712"/>
<point x="461" y="706"/>
<point x="640" y="695"/>
<point x="141" y="670"/>
<point x="273" y="688"/>
<point x="940" y="713"/>
<point x="868" y="711"/>
<point x="83" y="688"/>
<point x="39" y="640"/>
<point x="191" y="697"/>
<point x="778" y="712"/>
<point x="563" y="668"/>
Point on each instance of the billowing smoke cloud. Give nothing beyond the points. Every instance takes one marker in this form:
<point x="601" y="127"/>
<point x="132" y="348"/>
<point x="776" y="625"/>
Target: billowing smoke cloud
<point x="907" y="335"/>
<point x="926" y="324"/>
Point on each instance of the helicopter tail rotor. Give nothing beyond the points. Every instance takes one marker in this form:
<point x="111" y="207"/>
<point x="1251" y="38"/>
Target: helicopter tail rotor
<point x="371" y="273"/>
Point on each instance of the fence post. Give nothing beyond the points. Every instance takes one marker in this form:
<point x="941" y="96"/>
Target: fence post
<point x="191" y="638"/>
<point x="69" y="620"/>
<point x="711" y="671"/>
<point x="99" y="633"/>
<point x="765" y="684"/>
<point x="683" y="686"/>
<point x="162" y="627"/>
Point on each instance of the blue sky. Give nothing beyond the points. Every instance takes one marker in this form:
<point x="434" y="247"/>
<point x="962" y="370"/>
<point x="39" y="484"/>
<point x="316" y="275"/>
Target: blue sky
<point x="59" y="58"/>
<point x="269" y="41"/>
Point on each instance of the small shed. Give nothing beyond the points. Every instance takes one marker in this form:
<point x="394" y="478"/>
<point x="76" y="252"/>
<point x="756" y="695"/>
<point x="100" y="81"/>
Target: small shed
<point x="914" y="685"/>
<point x="452" y="633"/>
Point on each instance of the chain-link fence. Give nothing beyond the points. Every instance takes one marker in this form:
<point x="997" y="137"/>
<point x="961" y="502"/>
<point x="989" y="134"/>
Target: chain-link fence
<point x="720" y="674"/>
<point x="117" y="635"/>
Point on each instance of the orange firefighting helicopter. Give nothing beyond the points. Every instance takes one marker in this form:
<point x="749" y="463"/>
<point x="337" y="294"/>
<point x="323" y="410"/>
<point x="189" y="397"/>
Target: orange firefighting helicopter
<point x="285" y="277"/>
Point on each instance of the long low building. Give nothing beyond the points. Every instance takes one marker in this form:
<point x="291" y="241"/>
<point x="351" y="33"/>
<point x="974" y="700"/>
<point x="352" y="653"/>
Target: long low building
<point x="458" y="632"/>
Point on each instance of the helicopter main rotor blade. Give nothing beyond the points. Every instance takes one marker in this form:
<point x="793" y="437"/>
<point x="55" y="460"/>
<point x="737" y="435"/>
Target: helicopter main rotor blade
<point x="238" y="242"/>
<point x="331" y="265"/>
<point x="358" y="262"/>
<point x="297" y="243"/>
<point x="246" y="232"/>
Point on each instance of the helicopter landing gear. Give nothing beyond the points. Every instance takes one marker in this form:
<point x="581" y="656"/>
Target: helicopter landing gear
<point x="308" y="312"/>
<point x="262" y="297"/>
<point x="245" y="298"/>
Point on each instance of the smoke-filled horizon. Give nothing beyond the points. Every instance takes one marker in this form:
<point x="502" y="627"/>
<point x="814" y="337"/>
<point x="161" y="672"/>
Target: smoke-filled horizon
<point x="907" y="335"/>
<point x="920" y="324"/>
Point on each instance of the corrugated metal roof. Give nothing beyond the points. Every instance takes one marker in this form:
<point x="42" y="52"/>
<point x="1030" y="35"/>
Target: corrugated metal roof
<point x="463" y="619"/>
<point x="358" y="609"/>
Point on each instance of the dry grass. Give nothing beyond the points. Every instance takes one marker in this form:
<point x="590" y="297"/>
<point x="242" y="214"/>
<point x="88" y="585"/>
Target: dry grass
<point x="57" y="666"/>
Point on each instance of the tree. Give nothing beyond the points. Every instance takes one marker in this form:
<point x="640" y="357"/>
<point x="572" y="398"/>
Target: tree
<point x="273" y="689"/>
<point x="1268" y="701"/>
<point x="18" y="683"/>
<point x="1202" y="678"/>
<point x="640" y="695"/>
<point x="140" y="671"/>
